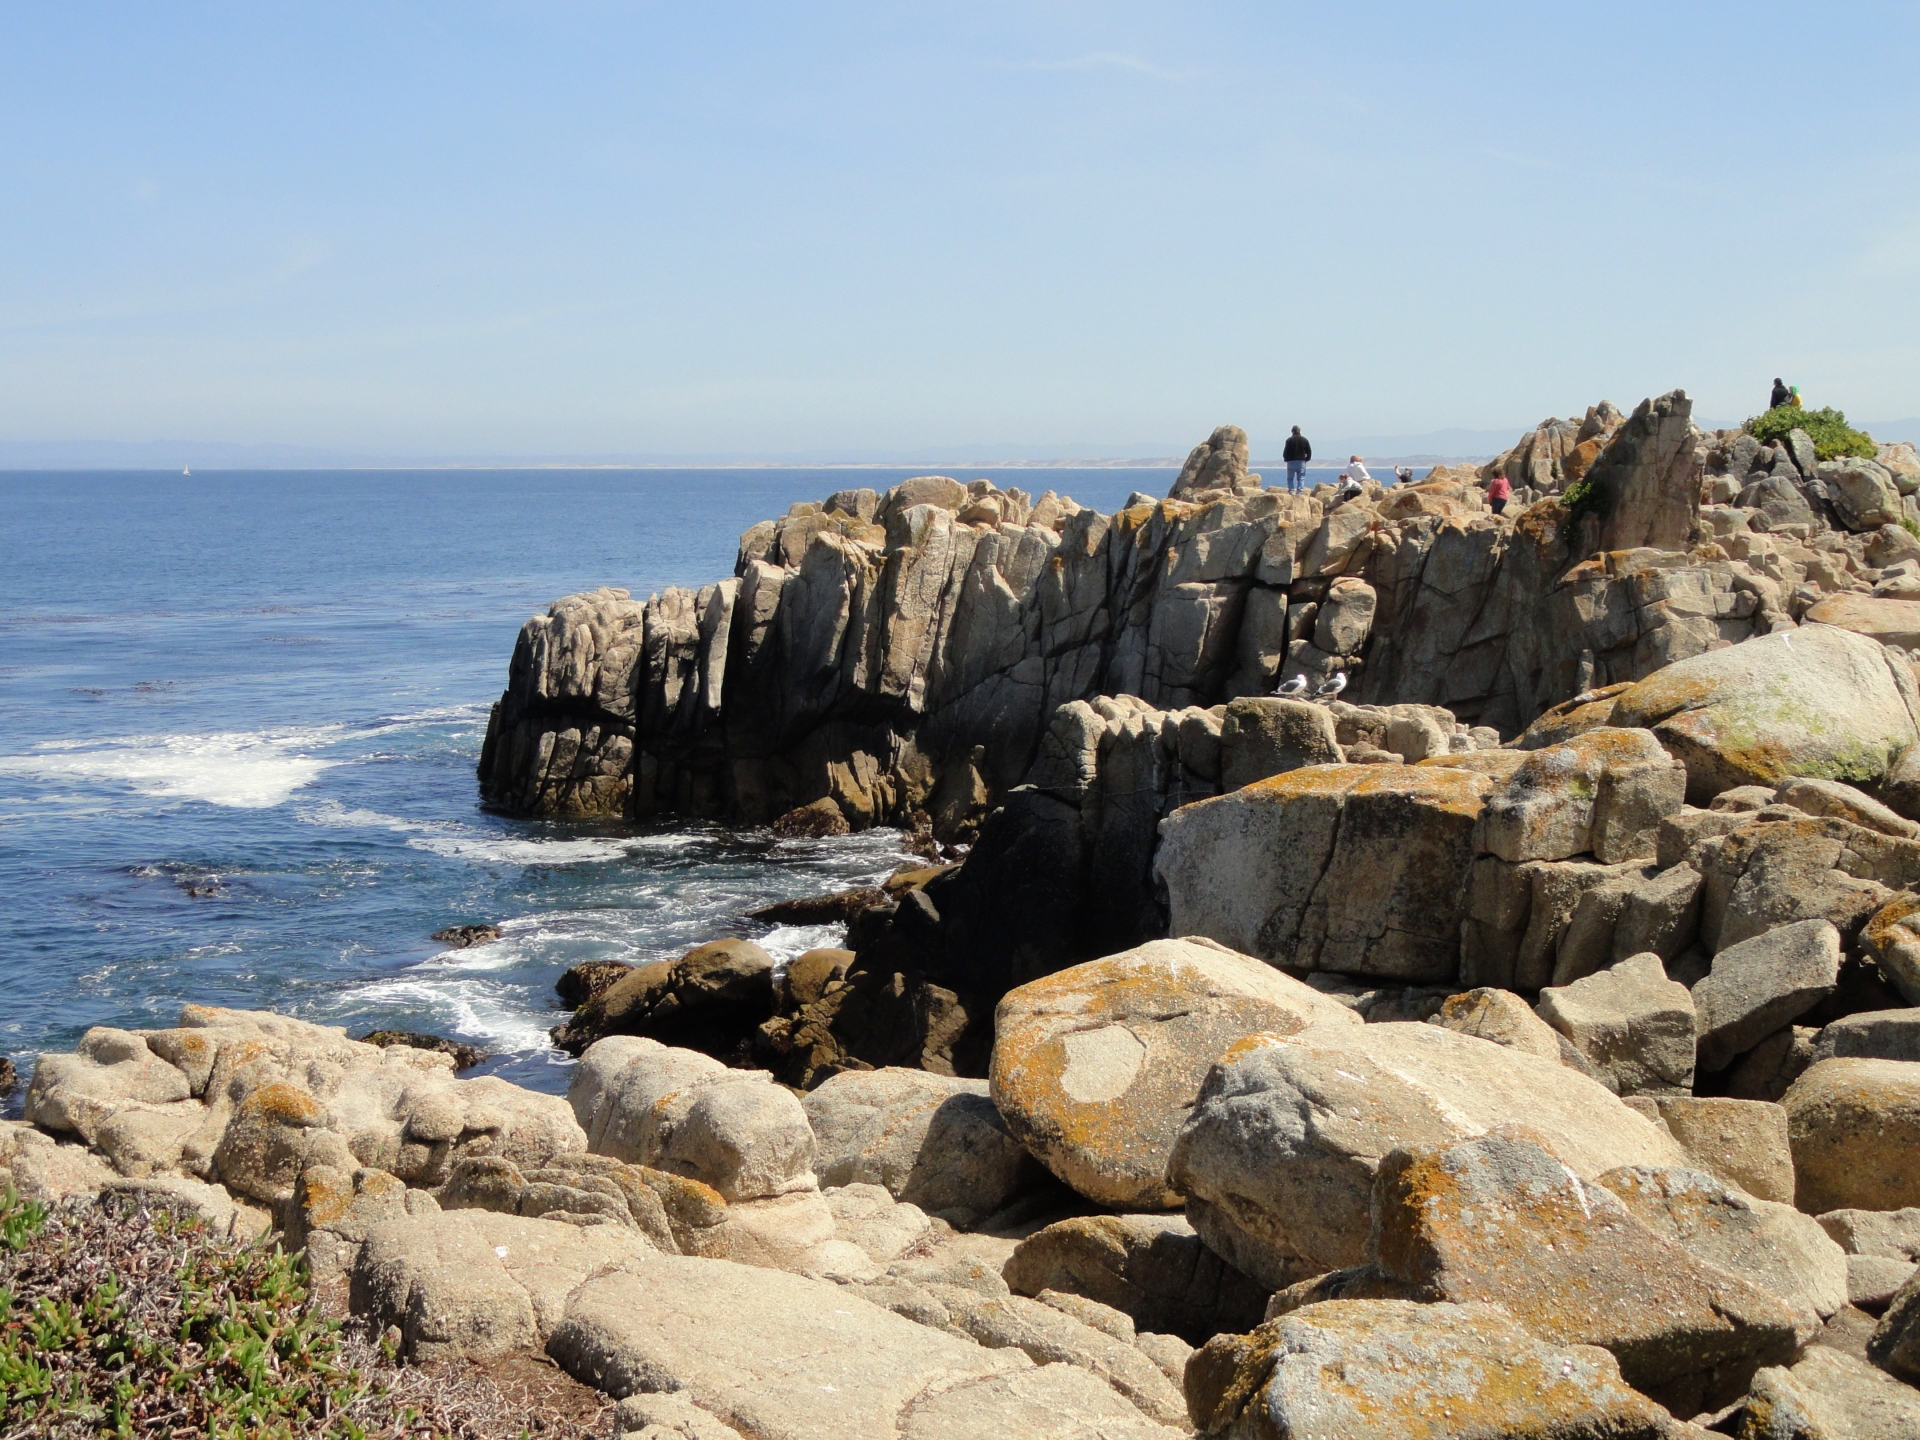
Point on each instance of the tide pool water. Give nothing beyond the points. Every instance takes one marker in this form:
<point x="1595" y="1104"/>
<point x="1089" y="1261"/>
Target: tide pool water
<point x="239" y="715"/>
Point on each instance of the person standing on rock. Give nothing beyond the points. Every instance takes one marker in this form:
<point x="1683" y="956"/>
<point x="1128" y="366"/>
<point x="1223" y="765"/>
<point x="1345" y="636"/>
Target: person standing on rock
<point x="1780" y="393"/>
<point x="1297" y="452"/>
<point x="1499" y="491"/>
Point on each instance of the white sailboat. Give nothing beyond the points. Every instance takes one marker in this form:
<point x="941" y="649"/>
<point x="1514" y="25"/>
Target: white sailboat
<point x="186" y="470"/>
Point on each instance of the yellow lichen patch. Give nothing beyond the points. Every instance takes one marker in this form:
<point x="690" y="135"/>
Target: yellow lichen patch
<point x="1248" y="1044"/>
<point x="1458" y="792"/>
<point x="284" y="1102"/>
<point x="1308" y="780"/>
<point x="325" y="1195"/>
<point x="1889" y="924"/>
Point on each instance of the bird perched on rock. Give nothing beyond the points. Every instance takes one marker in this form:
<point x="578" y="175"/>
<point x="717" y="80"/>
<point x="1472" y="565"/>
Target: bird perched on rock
<point x="1296" y="686"/>
<point x="1330" y="688"/>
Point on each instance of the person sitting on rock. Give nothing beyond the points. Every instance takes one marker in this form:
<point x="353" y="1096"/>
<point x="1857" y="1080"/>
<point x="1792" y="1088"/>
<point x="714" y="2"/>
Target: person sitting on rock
<point x="1499" y="491"/>
<point x="1780" y="393"/>
<point x="1793" y="396"/>
<point x="1296" y="452"/>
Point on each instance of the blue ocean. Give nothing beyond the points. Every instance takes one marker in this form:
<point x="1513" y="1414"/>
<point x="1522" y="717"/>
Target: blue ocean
<point x="239" y="716"/>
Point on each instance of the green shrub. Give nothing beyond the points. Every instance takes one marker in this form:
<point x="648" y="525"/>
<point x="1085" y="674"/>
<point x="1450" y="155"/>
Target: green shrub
<point x="1828" y="429"/>
<point x="1582" y="498"/>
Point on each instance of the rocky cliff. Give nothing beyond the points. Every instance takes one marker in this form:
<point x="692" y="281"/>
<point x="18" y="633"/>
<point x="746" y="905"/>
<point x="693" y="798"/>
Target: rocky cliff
<point x="908" y="651"/>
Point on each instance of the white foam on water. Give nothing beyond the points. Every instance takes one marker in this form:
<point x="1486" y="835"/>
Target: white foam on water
<point x="503" y="850"/>
<point x="255" y="770"/>
<point x="787" y="943"/>
<point x="484" y="1010"/>
<point x="454" y="841"/>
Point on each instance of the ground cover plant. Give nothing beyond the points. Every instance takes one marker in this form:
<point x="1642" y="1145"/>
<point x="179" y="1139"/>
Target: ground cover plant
<point x="122" y="1318"/>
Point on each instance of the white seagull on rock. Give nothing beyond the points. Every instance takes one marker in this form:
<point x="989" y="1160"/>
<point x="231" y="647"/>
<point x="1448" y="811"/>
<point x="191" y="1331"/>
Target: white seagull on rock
<point x="1330" y="688"/>
<point x="1296" y="686"/>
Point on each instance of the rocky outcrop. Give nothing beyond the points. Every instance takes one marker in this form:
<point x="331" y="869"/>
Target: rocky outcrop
<point x="908" y="652"/>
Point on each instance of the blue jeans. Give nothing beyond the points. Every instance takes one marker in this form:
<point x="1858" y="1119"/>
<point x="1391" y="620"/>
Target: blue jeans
<point x="1296" y="475"/>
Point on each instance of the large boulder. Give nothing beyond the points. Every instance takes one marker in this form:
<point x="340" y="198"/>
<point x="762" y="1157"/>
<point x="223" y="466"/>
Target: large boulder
<point x="1393" y="1367"/>
<point x="1502" y="1017"/>
<point x="1818" y="701"/>
<point x="782" y="1355"/>
<point x="683" y="1112"/>
<point x="1278" y="1158"/>
<point x="1826" y="1395"/>
<point x="1759" y="985"/>
<point x="1354" y="868"/>
<point x="1096" y="1067"/>
<point x="1633" y="1025"/>
<point x="1265" y="735"/>
<point x="710" y="999"/>
<point x="1769" y="1244"/>
<point x="1152" y="1268"/>
<point x="933" y="1140"/>
<point x="1855" y="1128"/>
<point x="1743" y="1142"/>
<point x="1891" y="622"/>
<point x="1500" y="1219"/>
<point x="1605" y="792"/>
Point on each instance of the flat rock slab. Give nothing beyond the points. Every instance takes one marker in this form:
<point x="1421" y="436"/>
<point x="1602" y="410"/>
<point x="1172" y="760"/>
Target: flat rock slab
<point x="1396" y="1368"/>
<point x="1096" y="1067"/>
<point x="1278" y="1159"/>
<point x="476" y="1284"/>
<point x="782" y="1357"/>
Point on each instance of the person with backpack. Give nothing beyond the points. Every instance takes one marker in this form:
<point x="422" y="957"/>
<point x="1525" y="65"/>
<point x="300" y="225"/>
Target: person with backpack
<point x="1780" y="393"/>
<point x="1297" y="452"/>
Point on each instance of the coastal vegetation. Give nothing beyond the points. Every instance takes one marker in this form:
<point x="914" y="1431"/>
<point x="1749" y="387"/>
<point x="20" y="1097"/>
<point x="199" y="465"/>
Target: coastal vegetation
<point x="118" y="1318"/>
<point x="1833" y="438"/>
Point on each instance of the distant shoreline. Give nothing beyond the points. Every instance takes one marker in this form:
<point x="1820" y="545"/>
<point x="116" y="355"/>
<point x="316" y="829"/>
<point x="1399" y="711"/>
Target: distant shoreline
<point x="925" y="467"/>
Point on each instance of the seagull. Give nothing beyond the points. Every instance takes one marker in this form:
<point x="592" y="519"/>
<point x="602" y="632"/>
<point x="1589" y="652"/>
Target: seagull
<point x="1296" y="686"/>
<point x="1330" y="688"/>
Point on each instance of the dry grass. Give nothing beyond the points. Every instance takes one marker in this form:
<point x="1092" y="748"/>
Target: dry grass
<point x="125" y="1319"/>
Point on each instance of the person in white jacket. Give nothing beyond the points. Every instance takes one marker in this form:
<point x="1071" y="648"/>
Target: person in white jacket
<point x="1351" y="479"/>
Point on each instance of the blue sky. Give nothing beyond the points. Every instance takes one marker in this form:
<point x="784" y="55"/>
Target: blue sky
<point x="1094" y="229"/>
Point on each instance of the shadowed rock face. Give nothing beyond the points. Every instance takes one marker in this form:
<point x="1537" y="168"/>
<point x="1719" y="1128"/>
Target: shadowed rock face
<point x="908" y="651"/>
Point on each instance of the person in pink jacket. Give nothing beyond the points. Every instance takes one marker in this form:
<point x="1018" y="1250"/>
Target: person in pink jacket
<point x="1499" y="491"/>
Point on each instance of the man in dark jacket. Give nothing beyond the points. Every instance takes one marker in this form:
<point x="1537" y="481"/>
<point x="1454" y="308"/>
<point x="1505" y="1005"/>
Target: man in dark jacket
<point x="1780" y="394"/>
<point x="1296" y="453"/>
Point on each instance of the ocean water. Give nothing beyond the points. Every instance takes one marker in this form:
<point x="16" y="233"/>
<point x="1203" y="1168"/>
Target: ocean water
<point x="239" y="715"/>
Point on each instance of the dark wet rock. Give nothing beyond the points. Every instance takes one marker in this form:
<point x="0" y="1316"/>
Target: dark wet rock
<point x="835" y="909"/>
<point x="712" y="999"/>
<point x="812" y="822"/>
<point x="588" y="979"/>
<point x="465" y="1056"/>
<point x="9" y="1078"/>
<point x="465" y="937"/>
